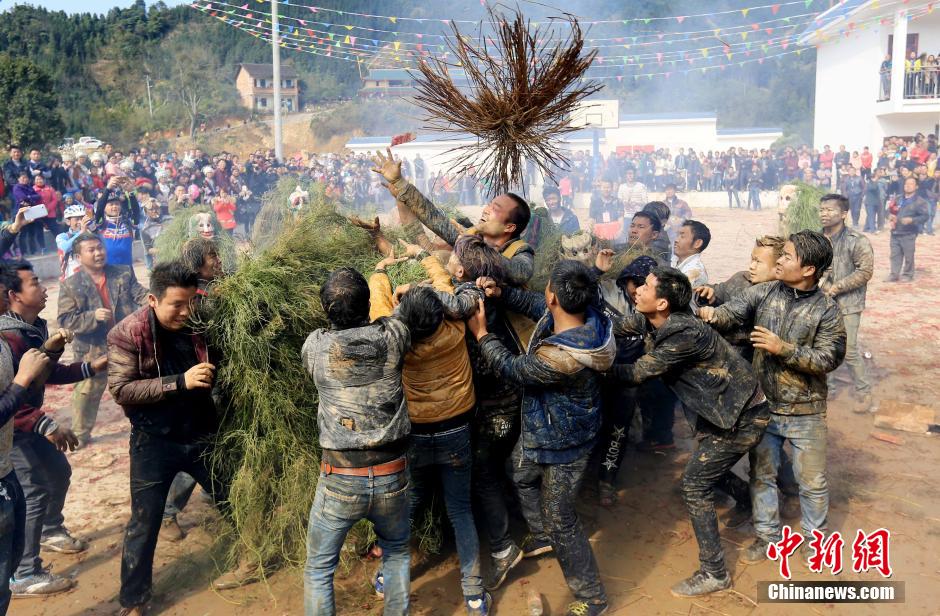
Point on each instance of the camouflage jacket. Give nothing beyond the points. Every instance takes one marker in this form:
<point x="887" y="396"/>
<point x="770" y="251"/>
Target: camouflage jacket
<point x="357" y="372"/>
<point x="519" y="267"/>
<point x="710" y="378"/>
<point x="853" y="264"/>
<point x="79" y="298"/>
<point x="809" y="323"/>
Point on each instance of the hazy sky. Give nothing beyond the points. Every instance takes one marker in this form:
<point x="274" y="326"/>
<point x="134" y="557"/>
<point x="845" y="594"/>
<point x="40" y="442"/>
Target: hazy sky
<point x="87" y="6"/>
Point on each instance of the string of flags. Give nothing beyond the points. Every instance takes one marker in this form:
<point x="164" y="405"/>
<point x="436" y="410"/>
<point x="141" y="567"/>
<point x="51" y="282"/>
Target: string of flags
<point x="739" y="46"/>
<point x="772" y="8"/>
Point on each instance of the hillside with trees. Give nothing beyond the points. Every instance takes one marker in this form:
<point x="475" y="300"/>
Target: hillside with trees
<point x="69" y="75"/>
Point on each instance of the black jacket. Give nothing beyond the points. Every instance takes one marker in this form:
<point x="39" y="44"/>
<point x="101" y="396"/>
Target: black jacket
<point x="810" y="323"/>
<point x="707" y="375"/>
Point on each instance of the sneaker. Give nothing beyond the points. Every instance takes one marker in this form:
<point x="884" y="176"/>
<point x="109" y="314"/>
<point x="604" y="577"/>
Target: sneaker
<point x="736" y="516"/>
<point x="533" y="546"/>
<point x="892" y="278"/>
<point x="701" y="583"/>
<point x="171" y="530"/>
<point x="479" y="605"/>
<point x="754" y="553"/>
<point x="63" y="542"/>
<point x="245" y="573"/>
<point x="83" y="442"/>
<point x="502" y="566"/>
<point x="583" y="608"/>
<point x="378" y="582"/>
<point x="42" y="584"/>
<point x="864" y="405"/>
<point x="651" y="445"/>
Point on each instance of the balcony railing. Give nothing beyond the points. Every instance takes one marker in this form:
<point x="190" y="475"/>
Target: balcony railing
<point x="922" y="83"/>
<point x="919" y="84"/>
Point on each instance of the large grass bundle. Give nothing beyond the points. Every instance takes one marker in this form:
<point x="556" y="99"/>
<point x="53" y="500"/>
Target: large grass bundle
<point x="258" y="318"/>
<point x="524" y="83"/>
<point x="803" y="210"/>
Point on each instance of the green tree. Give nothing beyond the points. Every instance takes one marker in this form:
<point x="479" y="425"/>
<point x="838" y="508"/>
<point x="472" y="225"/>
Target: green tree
<point x="28" y="115"/>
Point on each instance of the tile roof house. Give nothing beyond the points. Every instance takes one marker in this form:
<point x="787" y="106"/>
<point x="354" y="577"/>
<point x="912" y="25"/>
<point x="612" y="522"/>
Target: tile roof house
<point x="255" y="85"/>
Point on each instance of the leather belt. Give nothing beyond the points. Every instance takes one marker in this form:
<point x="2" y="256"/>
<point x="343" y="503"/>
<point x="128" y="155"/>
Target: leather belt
<point x="379" y="470"/>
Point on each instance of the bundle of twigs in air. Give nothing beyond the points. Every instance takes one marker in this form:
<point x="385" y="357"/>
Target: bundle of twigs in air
<point x="524" y="83"/>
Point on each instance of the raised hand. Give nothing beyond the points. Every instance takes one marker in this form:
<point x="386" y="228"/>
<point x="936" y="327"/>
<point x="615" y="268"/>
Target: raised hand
<point x="387" y="166"/>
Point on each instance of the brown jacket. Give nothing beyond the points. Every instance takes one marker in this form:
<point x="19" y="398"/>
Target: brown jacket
<point x="437" y="377"/>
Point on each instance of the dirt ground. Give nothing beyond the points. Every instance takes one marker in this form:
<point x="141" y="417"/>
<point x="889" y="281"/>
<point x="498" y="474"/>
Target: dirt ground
<point x="643" y="545"/>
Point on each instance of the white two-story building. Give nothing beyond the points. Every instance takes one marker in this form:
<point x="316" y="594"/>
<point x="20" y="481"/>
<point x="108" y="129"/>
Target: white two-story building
<point x="858" y="104"/>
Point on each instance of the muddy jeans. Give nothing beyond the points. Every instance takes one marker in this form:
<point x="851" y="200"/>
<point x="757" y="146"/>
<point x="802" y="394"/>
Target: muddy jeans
<point x="447" y="456"/>
<point x="86" y="397"/>
<point x="853" y="359"/>
<point x="155" y="461"/>
<point x="12" y="525"/>
<point x="710" y="467"/>
<point x="807" y="436"/>
<point x="493" y="440"/>
<point x="45" y="475"/>
<point x="180" y="491"/>
<point x="619" y="406"/>
<point x="341" y="501"/>
<point x="547" y="494"/>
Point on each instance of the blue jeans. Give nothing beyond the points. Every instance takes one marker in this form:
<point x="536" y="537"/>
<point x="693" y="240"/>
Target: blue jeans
<point x="807" y="436"/>
<point x="547" y="496"/>
<point x="341" y="501"/>
<point x="12" y="533"/>
<point x="447" y="455"/>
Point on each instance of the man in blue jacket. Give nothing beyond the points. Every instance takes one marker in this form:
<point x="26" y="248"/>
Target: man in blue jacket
<point x="573" y="342"/>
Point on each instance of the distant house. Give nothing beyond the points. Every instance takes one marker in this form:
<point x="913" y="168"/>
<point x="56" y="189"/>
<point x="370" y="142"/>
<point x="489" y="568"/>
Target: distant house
<point x="255" y="85"/>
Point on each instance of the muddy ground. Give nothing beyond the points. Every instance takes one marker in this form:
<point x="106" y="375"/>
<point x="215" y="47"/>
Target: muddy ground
<point x="643" y="545"/>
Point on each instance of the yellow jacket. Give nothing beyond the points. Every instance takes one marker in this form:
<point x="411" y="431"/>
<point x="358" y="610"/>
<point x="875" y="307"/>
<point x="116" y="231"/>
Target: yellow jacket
<point x="436" y="376"/>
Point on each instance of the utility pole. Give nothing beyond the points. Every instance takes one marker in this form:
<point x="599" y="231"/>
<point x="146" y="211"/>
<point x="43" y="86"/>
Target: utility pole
<point x="149" y="100"/>
<point x="276" y="56"/>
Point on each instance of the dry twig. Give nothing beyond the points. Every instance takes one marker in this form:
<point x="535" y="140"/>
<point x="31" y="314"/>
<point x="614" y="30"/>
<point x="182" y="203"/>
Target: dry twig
<point x="523" y="87"/>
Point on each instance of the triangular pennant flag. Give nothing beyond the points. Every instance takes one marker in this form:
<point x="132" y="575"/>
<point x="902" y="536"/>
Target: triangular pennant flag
<point x="744" y="12"/>
<point x="680" y="18"/>
<point x="393" y="19"/>
<point x="775" y="9"/>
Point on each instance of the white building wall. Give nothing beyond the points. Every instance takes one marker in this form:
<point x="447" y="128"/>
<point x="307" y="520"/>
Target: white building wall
<point x="847" y="90"/>
<point x="751" y="141"/>
<point x="697" y="133"/>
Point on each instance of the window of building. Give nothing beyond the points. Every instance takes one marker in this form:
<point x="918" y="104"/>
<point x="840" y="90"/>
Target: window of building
<point x="288" y="83"/>
<point x="262" y="102"/>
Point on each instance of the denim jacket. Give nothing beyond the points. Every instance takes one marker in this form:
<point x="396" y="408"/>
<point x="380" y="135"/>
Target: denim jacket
<point x="560" y="375"/>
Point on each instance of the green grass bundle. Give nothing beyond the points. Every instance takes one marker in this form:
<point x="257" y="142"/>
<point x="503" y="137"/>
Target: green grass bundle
<point x="803" y="210"/>
<point x="259" y="317"/>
